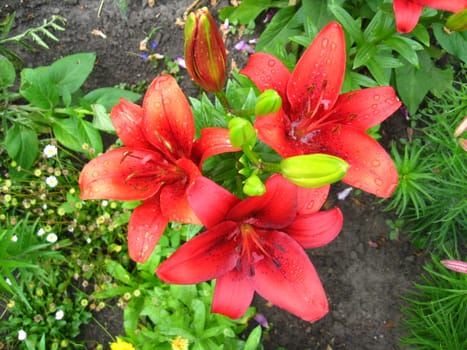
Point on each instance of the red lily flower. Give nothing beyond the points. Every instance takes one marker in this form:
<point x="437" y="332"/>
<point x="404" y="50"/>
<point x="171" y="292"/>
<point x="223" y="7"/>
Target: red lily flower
<point x="314" y="118"/>
<point x="407" y="12"/>
<point x="157" y="164"/>
<point x="257" y="245"/>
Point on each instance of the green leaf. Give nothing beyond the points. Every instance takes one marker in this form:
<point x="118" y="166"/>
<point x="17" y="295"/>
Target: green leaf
<point x="317" y="11"/>
<point x="406" y="47"/>
<point x="455" y="43"/>
<point x="22" y="145"/>
<point x="413" y="84"/>
<point x="101" y="120"/>
<point x="110" y="96"/>
<point x="117" y="271"/>
<point x="365" y="53"/>
<point x="88" y="134"/>
<point x="247" y="11"/>
<point x="70" y="72"/>
<point x="131" y="315"/>
<point x="254" y="339"/>
<point x="351" y="26"/>
<point x="377" y="71"/>
<point x="199" y="316"/>
<point x="38" y="89"/>
<point x="65" y="130"/>
<point x="6" y="24"/>
<point x="7" y="72"/>
<point x="287" y="22"/>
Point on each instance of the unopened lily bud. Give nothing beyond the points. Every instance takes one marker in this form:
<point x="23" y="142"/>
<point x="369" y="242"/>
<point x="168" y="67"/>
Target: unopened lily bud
<point x="313" y="170"/>
<point x="254" y="186"/>
<point x="205" y="54"/>
<point x="458" y="21"/>
<point x="241" y="132"/>
<point x="268" y="102"/>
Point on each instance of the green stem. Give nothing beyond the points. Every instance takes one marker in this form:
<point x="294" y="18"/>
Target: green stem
<point x="223" y="100"/>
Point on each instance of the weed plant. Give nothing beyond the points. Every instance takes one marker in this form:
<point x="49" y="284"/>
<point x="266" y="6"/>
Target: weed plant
<point x="435" y="317"/>
<point x="431" y="198"/>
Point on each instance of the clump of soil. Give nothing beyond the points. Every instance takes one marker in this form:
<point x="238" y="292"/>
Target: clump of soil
<point x="362" y="271"/>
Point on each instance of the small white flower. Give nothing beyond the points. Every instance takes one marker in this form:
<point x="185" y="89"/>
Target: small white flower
<point x="51" y="237"/>
<point x="342" y="195"/>
<point x="14" y="238"/>
<point x="44" y="206"/>
<point x="51" y="181"/>
<point x="41" y="232"/>
<point x="59" y="315"/>
<point x="7" y="281"/>
<point x="88" y="240"/>
<point x="50" y="151"/>
<point x="22" y="335"/>
<point x="105" y="203"/>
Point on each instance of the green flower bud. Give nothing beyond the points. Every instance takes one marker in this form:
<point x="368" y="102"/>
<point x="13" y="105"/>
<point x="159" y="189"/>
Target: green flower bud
<point x="313" y="170"/>
<point x="205" y="54"/>
<point x="254" y="186"/>
<point x="268" y="102"/>
<point x="241" y="132"/>
<point x="457" y="21"/>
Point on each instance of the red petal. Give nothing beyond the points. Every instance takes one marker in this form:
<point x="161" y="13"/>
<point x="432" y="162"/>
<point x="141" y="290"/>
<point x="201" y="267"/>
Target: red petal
<point x="289" y="280"/>
<point x="317" y="229"/>
<point x="451" y="5"/>
<point x="213" y="141"/>
<point x="319" y="74"/>
<point x="407" y="14"/>
<point x="371" y="168"/>
<point x="267" y="72"/>
<point x="127" y="119"/>
<point x="273" y="130"/>
<point x="365" y="108"/>
<point x="168" y="120"/>
<point x="112" y="175"/>
<point x="275" y="209"/>
<point x="145" y="228"/>
<point x="233" y="294"/>
<point x="310" y="200"/>
<point x="210" y="201"/>
<point x="207" y="256"/>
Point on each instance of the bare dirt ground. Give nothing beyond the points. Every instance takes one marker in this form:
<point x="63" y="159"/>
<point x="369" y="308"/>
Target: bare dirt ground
<point x="363" y="272"/>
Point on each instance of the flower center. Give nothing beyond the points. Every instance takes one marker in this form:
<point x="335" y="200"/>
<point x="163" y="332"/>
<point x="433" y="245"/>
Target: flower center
<point x="252" y="247"/>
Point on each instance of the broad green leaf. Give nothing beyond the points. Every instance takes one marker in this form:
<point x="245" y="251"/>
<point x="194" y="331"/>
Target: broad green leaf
<point x="90" y="135"/>
<point x="22" y="145"/>
<point x="287" y="22"/>
<point x="413" y="84"/>
<point x="101" y="120"/>
<point x="65" y="130"/>
<point x="131" y="315"/>
<point x="420" y="32"/>
<point x="70" y="72"/>
<point x="254" y="339"/>
<point x="199" y="316"/>
<point x="7" y="72"/>
<point x="110" y="96"/>
<point x="318" y="12"/>
<point x="247" y="11"/>
<point x="38" y="89"/>
<point x="117" y="271"/>
<point x="377" y="71"/>
<point x="455" y="43"/>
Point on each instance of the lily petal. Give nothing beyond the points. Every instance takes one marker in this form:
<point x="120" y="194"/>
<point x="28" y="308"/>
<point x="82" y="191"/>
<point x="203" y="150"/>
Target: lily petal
<point x="146" y="226"/>
<point x="365" y="108"/>
<point x="451" y="5"/>
<point x="233" y="294"/>
<point x="275" y="209"/>
<point x="318" y="76"/>
<point x="317" y="229"/>
<point x="272" y="130"/>
<point x="213" y="141"/>
<point x="289" y="280"/>
<point x="210" y="201"/>
<point x="407" y="14"/>
<point x="207" y="256"/>
<point x="168" y="120"/>
<point x="114" y="175"/>
<point x="310" y="200"/>
<point x="127" y="119"/>
<point x="267" y="72"/>
<point x="371" y="168"/>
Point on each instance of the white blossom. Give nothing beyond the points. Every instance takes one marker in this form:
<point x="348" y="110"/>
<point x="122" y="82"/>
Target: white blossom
<point x="14" y="238"/>
<point x="40" y="232"/>
<point x="50" y="151"/>
<point x="51" y="237"/>
<point x="22" y="335"/>
<point x="59" y="315"/>
<point x="51" y="181"/>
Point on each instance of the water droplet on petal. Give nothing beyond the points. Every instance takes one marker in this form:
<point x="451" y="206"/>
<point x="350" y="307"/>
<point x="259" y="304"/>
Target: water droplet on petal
<point x="95" y="174"/>
<point x="376" y="97"/>
<point x="271" y="63"/>
<point x="376" y="163"/>
<point x="378" y="181"/>
<point x="325" y="43"/>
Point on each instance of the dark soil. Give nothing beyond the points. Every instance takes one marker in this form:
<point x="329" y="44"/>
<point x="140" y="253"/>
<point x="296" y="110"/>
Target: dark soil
<point x="363" y="272"/>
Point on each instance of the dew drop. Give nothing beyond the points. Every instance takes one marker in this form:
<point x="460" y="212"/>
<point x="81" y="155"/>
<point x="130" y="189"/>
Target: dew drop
<point x="324" y="43"/>
<point x="328" y="61"/>
<point x="378" y="181"/>
<point x="271" y="63"/>
<point x="333" y="46"/>
<point x="310" y="204"/>
<point x="376" y="97"/>
<point x="95" y="174"/>
<point x="376" y="163"/>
